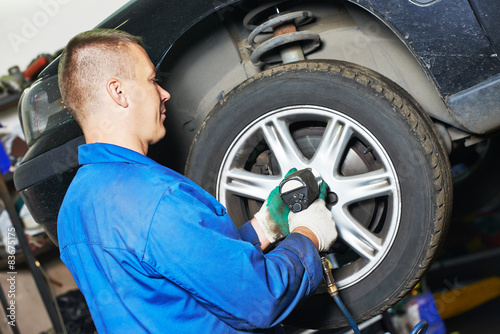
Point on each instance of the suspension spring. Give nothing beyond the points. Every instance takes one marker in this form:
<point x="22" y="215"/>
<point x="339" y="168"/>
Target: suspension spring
<point x="286" y="44"/>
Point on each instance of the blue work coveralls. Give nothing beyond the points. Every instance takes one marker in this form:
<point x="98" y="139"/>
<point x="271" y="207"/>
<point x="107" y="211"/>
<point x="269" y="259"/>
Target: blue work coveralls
<point x="154" y="253"/>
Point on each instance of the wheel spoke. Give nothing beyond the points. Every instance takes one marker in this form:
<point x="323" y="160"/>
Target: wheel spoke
<point x="250" y="185"/>
<point x="332" y="145"/>
<point x="361" y="240"/>
<point x="282" y="144"/>
<point x="365" y="186"/>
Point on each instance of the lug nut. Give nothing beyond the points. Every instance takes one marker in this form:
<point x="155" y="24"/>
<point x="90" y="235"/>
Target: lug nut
<point x="331" y="198"/>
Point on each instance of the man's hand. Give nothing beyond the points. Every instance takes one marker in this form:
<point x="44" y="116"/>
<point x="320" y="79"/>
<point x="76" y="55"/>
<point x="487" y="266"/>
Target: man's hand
<point x="318" y="220"/>
<point x="273" y="215"/>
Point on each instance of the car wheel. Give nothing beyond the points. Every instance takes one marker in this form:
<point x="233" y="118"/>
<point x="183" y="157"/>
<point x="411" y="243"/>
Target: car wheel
<point x="369" y="141"/>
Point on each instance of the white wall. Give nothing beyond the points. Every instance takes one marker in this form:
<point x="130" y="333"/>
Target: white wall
<point x="32" y="27"/>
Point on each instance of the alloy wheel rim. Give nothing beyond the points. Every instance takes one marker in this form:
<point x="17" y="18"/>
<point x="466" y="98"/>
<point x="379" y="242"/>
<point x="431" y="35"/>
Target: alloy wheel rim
<point x="350" y="159"/>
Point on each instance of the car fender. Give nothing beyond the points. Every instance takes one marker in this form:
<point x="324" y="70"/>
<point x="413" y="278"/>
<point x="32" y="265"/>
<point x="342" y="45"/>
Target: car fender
<point x="444" y="37"/>
<point x="450" y="44"/>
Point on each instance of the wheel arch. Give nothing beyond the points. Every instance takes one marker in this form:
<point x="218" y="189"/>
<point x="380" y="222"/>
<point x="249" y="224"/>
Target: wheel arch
<point x="208" y="61"/>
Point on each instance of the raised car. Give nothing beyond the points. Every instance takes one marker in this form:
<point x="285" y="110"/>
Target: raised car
<point x="375" y="95"/>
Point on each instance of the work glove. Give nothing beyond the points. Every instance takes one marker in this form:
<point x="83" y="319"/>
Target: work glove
<point x="317" y="218"/>
<point x="273" y="215"/>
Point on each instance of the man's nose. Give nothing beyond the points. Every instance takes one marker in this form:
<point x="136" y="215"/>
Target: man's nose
<point x="165" y="96"/>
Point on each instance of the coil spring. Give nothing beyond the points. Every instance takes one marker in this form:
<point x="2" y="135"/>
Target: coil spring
<point x="287" y="44"/>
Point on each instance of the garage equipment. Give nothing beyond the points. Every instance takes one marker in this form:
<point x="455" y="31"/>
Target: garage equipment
<point x="45" y="293"/>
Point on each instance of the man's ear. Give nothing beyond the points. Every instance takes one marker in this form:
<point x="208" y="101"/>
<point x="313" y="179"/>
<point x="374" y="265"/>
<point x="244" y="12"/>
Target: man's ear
<point x="114" y="89"/>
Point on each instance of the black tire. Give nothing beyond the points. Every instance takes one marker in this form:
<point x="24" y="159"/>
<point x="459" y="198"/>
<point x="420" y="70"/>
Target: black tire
<point x="387" y="149"/>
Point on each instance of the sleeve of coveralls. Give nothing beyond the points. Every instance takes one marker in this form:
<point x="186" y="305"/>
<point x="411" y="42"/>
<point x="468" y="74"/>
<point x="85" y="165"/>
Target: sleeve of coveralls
<point x="247" y="233"/>
<point x="204" y="243"/>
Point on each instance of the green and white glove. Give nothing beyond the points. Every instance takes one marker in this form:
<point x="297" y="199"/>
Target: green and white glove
<point x="273" y="215"/>
<point x="318" y="219"/>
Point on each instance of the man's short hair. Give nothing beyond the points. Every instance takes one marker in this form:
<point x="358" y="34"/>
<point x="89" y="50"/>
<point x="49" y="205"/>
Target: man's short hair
<point x="88" y="61"/>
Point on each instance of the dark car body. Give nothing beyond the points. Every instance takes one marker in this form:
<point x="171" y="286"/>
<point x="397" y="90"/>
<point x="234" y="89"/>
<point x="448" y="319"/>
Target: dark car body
<point x="443" y="52"/>
<point x="454" y="41"/>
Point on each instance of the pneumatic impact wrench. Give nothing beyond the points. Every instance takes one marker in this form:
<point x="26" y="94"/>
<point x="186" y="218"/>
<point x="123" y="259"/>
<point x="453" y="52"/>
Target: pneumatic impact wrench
<point x="298" y="190"/>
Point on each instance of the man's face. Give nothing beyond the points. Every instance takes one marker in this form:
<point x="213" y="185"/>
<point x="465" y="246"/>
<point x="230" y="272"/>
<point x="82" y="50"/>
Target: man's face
<point x="147" y="99"/>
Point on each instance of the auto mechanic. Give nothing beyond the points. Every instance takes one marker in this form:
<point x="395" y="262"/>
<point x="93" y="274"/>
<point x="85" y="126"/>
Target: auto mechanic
<point x="150" y="250"/>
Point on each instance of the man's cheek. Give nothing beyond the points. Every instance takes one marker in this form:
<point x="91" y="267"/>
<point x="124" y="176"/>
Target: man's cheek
<point x="139" y="95"/>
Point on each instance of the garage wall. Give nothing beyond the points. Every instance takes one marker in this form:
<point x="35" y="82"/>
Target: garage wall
<point x="31" y="27"/>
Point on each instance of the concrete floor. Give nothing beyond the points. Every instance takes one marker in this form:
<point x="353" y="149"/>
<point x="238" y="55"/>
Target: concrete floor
<point x="31" y="316"/>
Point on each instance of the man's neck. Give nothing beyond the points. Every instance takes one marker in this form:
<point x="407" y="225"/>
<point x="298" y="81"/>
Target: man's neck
<point x="123" y="141"/>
